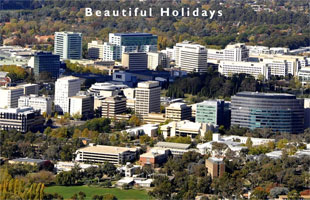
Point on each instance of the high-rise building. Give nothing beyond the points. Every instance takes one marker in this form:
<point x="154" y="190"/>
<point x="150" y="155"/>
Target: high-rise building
<point x="256" y="69"/>
<point x="20" y="119"/>
<point x="216" y="167"/>
<point x="191" y="57"/>
<point x="131" y="42"/>
<point x="134" y="61"/>
<point x="42" y="103"/>
<point x="178" y="112"/>
<point x="307" y="113"/>
<point x="278" y="112"/>
<point x="68" y="45"/>
<point x="147" y="98"/>
<point x="155" y="59"/>
<point x="46" y="62"/>
<point x="9" y="96"/>
<point x="112" y="106"/>
<point x="214" y="112"/>
<point x="65" y="87"/>
<point x="82" y="104"/>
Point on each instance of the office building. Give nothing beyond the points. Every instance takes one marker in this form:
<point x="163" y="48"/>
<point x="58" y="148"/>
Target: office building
<point x="82" y="104"/>
<point x="9" y="96"/>
<point x="155" y="59"/>
<point x="21" y="119"/>
<point x="147" y="98"/>
<point x="187" y="128"/>
<point x="113" y="106"/>
<point x="46" y="62"/>
<point x="307" y="112"/>
<point x="106" y="89"/>
<point x="134" y="61"/>
<point x="278" y="112"/>
<point x="214" y="112"/>
<point x="304" y="76"/>
<point x="191" y="57"/>
<point x="232" y="52"/>
<point x="176" y="149"/>
<point x="102" y="153"/>
<point x="216" y="167"/>
<point x="132" y="42"/>
<point x="42" y="103"/>
<point x="178" y="112"/>
<point x="68" y="45"/>
<point x="155" y="157"/>
<point x="256" y="69"/>
<point x="65" y="87"/>
<point x="95" y="49"/>
<point x="30" y="88"/>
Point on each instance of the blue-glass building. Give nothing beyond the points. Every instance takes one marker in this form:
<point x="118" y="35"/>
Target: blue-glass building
<point x="46" y="62"/>
<point x="279" y="112"/>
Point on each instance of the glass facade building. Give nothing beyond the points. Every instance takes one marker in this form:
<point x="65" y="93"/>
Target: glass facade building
<point x="46" y="62"/>
<point x="279" y="112"/>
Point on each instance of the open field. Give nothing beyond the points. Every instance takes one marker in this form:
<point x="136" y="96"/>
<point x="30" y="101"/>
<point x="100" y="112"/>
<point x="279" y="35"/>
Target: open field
<point x="69" y="191"/>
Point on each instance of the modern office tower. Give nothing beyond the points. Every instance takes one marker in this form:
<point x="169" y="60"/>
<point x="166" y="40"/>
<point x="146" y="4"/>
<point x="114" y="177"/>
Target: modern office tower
<point x="42" y="103"/>
<point x="147" y="98"/>
<point x="256" y="69"/>
<point x="134" y="61"/>
<point x="30" y="88"/>
<point x="9" y="96"/>
<point x="214" y="112"/>
<point x="65" y="87"/>
<point x="278" y="112"/>
<point x="216" y="166"/>
<point x="304" y="76"/>
<point x="20" y="119"/>
<point x="82" y="104"/>
<point x="155" y="59"/>
<point x="232" y="52"/>
<point x="68" y="45"/>
<point x="102" y="153"/>
<point x="178" y="112"/>
<point x="46" y="62"/>
<point x="95" y="49"/>
<point x="191" y="57"/>
<point x="132" y="42"/>
<point x="112" y="106"/>
<point x="307" y="113"/>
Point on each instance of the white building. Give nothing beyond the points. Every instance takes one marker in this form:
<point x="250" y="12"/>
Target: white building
<point x="9" y="96"/>
<point x="65" y="87"/>
<point x="102" y="153"/>
<point x="106" y="89"/>
<point x="82" y="104"/>
<point x="147" y="98"/>
<point x="30" y="88"/>
<point x="68" y="45"/>
<point x="304" y="75"/>
<point x="191" y="57"/>
<point x="228" y="68"/>
<point x="42" y="103"/>
<point x="169" y="52"/>
<point x="154" y="59"/>
<point x="232" y="52"/>
<point x="146" y="129"/>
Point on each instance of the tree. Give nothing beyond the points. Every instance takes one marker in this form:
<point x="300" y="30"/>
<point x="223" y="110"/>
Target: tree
<point x="293" y="195"/>
<point x="77" y="116"/>
<point x="109" y="169"/>
<point x="163" y="188"/>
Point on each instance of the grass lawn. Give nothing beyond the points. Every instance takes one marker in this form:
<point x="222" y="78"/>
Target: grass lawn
<point x="68" y="191"/>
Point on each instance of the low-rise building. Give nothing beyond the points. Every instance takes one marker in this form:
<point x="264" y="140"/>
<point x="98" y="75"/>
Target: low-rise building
<point x="155" y="157"/>
<point x="147" y="129"/>
<point x="102" y="153"/>
<point x="154" y="118"/>
<point x="20" y="119"/>
<point x="42" y="103"/>
<point x="187" y="128"/>
<point x="112" y="106"/>
<point x="30" y="88"/>
<point x="178" y="112"/>
<point x="28" y="161"/>
<point x="176" y="149"/>
<point x="82" y="104"/>
<point x="9" y="96"/>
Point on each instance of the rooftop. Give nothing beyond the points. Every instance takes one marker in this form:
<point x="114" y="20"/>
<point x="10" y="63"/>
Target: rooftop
<point x="106" y="149"/>
<point x="30" y="160"/>
<point x="22" y="110"/>
<point x="266" y="95"/>
<point x="172" y="145"/>
<point x="133" y="34"/>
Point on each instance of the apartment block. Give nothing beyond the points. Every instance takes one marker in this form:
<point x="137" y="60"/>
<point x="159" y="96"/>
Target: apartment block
<point x="232" y="52"/>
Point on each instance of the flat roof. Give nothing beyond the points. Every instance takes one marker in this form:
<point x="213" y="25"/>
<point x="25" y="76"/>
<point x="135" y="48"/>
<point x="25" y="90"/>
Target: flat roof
<point x="33" y="160"/>
<point x="134" y="34"/>
<point x="266" y="95"/>
<point x="173" y="145"/>
<point x="106" y="149"/>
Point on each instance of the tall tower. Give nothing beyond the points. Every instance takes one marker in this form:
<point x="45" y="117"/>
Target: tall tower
<point x="68" y="45"/>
